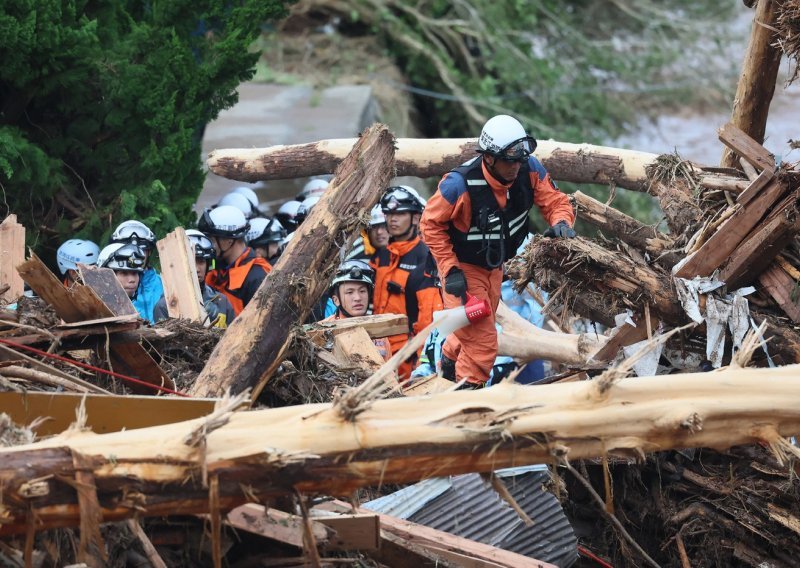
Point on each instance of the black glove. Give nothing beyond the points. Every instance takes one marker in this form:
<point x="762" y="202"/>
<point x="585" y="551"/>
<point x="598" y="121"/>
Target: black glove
<point x="455" y="283"/>
<point x="560" y="230"/>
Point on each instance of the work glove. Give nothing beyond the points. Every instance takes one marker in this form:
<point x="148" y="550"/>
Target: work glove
<point x="560" y="230"/>
<point x="455" y="283"/>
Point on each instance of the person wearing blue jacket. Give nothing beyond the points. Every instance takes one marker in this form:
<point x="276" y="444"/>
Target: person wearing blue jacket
<point x="150" y="286"/>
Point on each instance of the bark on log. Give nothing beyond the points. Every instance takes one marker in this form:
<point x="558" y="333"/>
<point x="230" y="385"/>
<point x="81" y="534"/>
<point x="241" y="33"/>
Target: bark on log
<point x="254" y="345"/>
<point x="617" y="224"/>
<point x="525" y="342"/>
<point x="601" y="283"/>
<point x="757" y="81"/>
<point x="581" y="163"/>
<point x="257" y="454"/>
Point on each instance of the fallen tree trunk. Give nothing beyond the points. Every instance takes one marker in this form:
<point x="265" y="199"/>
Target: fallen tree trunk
<point x="581" y="163"/>
<point x="757" y="81"/>
<point x="256" y="342"/>
<point x="525" y="342"/>
<point x="617" y="224"/>
<point x="316" y="448"/>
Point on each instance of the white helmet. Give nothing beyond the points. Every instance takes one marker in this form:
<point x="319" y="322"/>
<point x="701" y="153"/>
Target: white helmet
<point x="376" y="216"/>
<point x="312" y="188"/>
<point x="240" y="202"/>
<point x="305" y="207"/>
<point x="136" y="233"/>
<point x="73" y="251"/>
<point x="353" y="271"/>
<point x="504" y="136"/>
<point x="225" y="221"/>
<point x="122" y="256"/>
<point x="249" y="194"/>
<point x="264" y="231"/>
<point x="287" y="214"/>
<point x="203" y="247"/>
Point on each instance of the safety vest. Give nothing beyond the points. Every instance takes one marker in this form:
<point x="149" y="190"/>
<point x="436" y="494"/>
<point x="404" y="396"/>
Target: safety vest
<point x="494" y="234"/>
<point x="229" y="281"/>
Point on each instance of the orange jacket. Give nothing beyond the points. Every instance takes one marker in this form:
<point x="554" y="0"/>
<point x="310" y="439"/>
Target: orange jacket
<point x="240" y="280"/>
<point x="403" y="286"/>
<point x="451" y="204"/>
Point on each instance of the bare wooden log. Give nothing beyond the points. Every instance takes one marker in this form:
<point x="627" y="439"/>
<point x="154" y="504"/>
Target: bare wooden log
<point x="12" y="253"/>
<point x="49" y="379"/>
<point x="602" y="283"/>
<point x="314" y="448"/>
<point x="253" y="346"/>
<point x="525" y="342"/>
<point x="181" y="288"/>
<point x="581" y="163"/>
<point x="645" y="238"/>
<point x="757" y="81"/>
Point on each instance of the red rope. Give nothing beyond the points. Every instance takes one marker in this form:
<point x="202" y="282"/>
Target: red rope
<point x="91" y="367"/>
<point x="583" y="551"/>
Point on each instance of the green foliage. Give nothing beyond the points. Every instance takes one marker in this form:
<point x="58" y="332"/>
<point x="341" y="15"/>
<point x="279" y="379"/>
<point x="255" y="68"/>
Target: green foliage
<point x="574" y="70"/>
<point x="104" y="105"/>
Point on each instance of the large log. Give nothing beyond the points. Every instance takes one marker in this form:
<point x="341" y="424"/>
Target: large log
<point x="525" y="342"/>
<point x="757" y="81"/>
<point x="322" y="448"/>
<point x="254" y="345"/>
<point x="582" y="163"/>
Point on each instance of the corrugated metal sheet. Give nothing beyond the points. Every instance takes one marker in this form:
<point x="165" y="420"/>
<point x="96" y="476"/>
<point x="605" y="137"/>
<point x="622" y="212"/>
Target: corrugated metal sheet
<point x="404" y="503"/>
<point x="466" y="506"/>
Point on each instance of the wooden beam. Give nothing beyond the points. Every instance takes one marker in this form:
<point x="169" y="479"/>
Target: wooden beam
<point x="104" y="412"/>
<point x="462" y="551"/>
<point x="322" y="448"/>
<point x="275" y="525"/>
<point x="255" y="344"/>
<point x="755" y="187"/>
<point x="377" y="326"/>
<point x="782" y="288"/>
<point x="757" y="81"/>
<point x="355" y="347"/>
<point x="716" y="250"/>
<point x="428" y="385"/>
<point x="12" y="253"/>
<point x="358" y="531"/>
<point x="740" y="142"/>
<point x="763" y="244"/>
<point x="179" y="274"/>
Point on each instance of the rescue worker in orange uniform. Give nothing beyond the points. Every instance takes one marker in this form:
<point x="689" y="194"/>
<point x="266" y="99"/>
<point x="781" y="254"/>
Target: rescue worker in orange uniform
<point x="350" y="292"/>
<point x="475" y="222"/>
<point x="404" y="282"/>
<point x="239" y="272"/>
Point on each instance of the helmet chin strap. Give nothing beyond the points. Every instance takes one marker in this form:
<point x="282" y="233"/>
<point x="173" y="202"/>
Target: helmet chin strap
<point x="409" y="234"/>
<point x="494" y="173"/>
<point x="340" y="307"/>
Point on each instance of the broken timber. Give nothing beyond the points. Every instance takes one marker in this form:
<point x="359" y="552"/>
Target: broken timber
<point x="178" y="272"/>
<point x="254" y="345"/>
<point x="12" y="253"/>
<point x="314" y="448"/>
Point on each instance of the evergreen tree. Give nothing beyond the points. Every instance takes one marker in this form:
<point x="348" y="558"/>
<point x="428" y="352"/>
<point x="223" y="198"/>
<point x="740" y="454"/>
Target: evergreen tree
<point x="104" y="104"/>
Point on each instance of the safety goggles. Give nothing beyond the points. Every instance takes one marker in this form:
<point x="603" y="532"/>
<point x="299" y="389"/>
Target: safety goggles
<point x="397" y="197"/>
<point x="518" y="151"/>
<point x="131" y="236"/>
<point x="129" y="258"/>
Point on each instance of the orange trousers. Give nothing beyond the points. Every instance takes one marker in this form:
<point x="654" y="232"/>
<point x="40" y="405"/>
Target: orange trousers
<point x="474" y="348"/>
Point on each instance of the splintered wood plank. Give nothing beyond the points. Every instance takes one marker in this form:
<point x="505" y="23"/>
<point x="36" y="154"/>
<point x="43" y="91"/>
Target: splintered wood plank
<point x="105" y="284"/>
<point x="104" y="412"/>
<point x="716" y="250"/>
<point x="275" y="524"/>
<point x="381" y="325"/>
<point x="12" y="253"/>
<point x="626" y="335"/>
<point x="781" y="287"/>
<point x="178" y="272"/>
<point x="79" y="303"/>
<point x="735" y="139"/>
<point x="761" y="247"/>
<point x="755" y="187"/>
<point x="355" y="346"/>
<point x="73" y="304"/>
